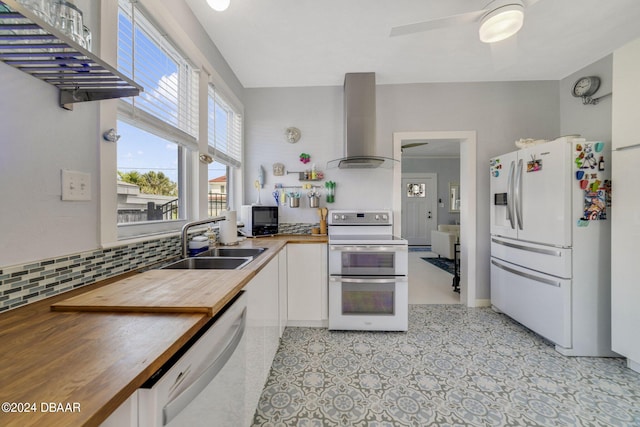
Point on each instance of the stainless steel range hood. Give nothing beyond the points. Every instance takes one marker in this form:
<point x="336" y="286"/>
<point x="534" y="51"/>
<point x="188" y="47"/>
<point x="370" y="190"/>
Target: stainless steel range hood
<point x="360" y="125"/>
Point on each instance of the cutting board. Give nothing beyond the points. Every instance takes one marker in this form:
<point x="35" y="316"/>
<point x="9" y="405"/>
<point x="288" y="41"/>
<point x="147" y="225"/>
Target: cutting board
<point x="163" y="291"/>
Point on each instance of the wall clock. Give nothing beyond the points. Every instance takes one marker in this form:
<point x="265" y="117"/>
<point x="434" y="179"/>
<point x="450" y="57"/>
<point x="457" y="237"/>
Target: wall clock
<point x="585" y="86"/>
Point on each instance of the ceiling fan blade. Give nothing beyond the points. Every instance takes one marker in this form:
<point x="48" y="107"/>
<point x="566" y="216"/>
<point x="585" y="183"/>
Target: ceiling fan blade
<point x="434" y="24"/>
<point x="529" y="3"/>
<point x="414" y="144"/>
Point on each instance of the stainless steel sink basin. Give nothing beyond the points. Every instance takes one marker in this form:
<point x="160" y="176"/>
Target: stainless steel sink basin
<point x="209" y="263"/>
<point x="232" y="252"/>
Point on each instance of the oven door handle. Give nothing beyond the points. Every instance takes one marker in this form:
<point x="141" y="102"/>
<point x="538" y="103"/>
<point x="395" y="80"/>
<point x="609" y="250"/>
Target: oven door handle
<point x="379" y="248"/>
<point x="368" y="279"/>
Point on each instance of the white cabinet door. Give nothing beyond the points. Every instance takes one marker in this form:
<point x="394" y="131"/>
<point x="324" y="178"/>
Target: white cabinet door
<point x="308" y="284"/>
<point x="625" y="114"/>
<point x="262" y="332"/>
<point x="282" y="292"/>
<point x="269" y="276"/>
<point x="625" y="269"/>
<point x="126" y="415"/>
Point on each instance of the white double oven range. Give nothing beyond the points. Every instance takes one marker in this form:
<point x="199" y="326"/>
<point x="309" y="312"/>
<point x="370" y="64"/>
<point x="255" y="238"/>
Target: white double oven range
<point x="368" y="268"/>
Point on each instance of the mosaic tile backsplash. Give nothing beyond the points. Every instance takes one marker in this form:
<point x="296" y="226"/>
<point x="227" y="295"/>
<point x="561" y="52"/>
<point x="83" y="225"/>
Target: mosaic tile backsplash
<point x="22" y="284"/>
<point x="26" y="283"/>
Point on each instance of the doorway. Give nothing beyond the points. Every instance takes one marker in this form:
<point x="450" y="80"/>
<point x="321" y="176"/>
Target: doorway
<point x="419" y="207"/>
<point x="467" y="141"/>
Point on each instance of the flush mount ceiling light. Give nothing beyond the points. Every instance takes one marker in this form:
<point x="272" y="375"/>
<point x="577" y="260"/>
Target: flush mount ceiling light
<point x="219" y="5"/>
<point x="501" y="23"/>
<point x="499" y="19"/>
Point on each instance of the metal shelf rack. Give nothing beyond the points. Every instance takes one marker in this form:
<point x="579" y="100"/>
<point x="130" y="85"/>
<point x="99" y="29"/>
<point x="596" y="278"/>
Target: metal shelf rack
<point x="37" y="48"/>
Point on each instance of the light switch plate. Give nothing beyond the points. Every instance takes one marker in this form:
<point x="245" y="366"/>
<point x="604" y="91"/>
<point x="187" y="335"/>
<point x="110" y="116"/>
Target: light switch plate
<point x="76" y="185"/>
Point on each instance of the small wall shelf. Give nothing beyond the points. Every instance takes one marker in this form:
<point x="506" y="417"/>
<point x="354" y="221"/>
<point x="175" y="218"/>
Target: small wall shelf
<point x="37" y="48"/>
<point x="302" y="178"/>
<point x="301" y="187"/>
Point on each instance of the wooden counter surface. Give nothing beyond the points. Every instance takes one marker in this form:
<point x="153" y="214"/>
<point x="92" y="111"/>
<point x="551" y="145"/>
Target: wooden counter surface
<point x="97" y="360"/>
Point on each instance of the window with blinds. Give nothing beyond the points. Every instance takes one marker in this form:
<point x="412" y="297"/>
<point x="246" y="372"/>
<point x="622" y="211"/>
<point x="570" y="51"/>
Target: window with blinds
<point x="225" y="129"/>
<point x="168" y="105"/>
<point x="157" y="128"/>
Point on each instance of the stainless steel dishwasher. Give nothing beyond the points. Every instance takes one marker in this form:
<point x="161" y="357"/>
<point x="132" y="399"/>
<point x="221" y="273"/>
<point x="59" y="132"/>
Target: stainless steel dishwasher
<point x="203" y="384"/>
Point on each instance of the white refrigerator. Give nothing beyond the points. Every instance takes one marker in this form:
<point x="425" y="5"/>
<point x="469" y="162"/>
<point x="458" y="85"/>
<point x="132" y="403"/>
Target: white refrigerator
<point x="550" y="242"/>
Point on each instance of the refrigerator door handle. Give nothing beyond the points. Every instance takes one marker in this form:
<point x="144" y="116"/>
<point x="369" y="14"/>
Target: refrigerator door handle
<point x="510" y="212"/>
<point x="518" y="193"/>
<point x="527" y="275"/>
<point x="528" y="248"/>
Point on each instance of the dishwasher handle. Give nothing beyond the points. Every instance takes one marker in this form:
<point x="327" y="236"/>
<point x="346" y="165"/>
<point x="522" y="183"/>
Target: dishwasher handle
<point x="173" y="408"/>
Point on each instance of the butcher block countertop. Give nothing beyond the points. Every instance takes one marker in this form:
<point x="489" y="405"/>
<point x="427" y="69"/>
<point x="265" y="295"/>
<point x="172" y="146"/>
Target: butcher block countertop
<point x="76" y="365"/>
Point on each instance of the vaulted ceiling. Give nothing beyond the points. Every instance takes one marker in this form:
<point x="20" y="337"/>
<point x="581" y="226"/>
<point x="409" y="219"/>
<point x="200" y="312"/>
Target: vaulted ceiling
<point x="283" y="43"/>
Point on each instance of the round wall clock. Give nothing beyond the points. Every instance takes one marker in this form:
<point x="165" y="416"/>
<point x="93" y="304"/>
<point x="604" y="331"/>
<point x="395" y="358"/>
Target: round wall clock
<point x="585" y="86"/>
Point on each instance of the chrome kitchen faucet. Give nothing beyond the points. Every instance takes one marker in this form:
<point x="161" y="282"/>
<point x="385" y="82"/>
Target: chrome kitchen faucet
<point x="184" y="240"/>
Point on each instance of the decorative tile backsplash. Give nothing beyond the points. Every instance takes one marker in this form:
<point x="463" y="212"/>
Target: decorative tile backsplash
<point x="27" y="283"/>
<point x="296" y="228"/>
<point x="22" y="284"/>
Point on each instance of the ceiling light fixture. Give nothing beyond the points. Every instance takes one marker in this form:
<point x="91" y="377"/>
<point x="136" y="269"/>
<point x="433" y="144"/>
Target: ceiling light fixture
<point x="502" y="22"/>
<point x="218" y="5"/>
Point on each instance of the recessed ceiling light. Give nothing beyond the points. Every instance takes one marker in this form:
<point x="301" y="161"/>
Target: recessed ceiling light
<point x="218" y="5"/>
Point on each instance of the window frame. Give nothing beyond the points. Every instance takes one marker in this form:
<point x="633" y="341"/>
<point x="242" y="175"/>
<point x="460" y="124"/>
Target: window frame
<point x="196" y="182"/>
<point x="231" y="154"/>
<point x="184" y="135"/>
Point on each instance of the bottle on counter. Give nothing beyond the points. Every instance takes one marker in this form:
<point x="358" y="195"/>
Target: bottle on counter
<point x="211" y="237"/>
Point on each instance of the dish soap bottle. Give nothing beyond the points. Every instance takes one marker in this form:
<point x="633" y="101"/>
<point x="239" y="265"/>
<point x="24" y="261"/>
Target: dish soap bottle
<point x="211" y="236"/>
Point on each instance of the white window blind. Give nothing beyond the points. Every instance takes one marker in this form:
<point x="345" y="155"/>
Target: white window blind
<point x="225" y="129"/>
<point x="168" y="105"/>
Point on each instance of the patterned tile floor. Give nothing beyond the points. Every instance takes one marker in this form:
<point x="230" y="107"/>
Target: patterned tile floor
<point x="455" y="366"/>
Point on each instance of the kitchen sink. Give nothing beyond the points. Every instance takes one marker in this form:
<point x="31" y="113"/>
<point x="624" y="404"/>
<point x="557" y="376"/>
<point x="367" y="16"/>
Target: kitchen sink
<point x="232" y="252"/>
<point x="209" y="263"/>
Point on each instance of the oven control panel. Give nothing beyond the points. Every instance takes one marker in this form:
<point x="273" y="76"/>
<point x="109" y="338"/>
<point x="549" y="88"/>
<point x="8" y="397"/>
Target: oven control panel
<point x="360" y="218"/>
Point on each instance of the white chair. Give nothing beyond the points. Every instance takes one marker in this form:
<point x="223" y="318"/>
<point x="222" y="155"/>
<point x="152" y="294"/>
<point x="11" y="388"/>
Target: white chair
<point x="444" y="239"/>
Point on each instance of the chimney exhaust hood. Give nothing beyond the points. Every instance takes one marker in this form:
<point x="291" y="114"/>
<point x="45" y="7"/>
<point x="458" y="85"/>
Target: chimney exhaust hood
<point x="360" y="125"/>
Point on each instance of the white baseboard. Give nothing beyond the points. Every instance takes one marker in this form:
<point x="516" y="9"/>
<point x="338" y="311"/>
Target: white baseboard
<point x="308" y="323"/>
<point x="635" y="366"/>
<point x="481" y="303"/>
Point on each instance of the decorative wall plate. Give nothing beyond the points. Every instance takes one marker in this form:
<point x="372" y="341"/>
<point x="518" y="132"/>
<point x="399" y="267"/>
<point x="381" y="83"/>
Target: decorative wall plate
<point x="292" y="134"/>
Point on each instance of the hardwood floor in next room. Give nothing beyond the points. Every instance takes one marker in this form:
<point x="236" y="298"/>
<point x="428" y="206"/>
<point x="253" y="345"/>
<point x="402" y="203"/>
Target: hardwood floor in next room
<point x="427" y="283"/>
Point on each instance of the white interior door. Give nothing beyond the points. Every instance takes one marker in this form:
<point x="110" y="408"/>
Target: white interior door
<point x="419" y="208"/>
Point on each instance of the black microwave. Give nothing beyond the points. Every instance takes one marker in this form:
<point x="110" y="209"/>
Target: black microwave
<point x="259" y="220"/>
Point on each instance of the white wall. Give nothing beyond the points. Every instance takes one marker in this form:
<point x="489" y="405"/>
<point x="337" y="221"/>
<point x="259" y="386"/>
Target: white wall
<point x="317" y="112"/>
<point x="38" y="139"/>
<point x="591" y="121"/>
<point x="500" y="113"/>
